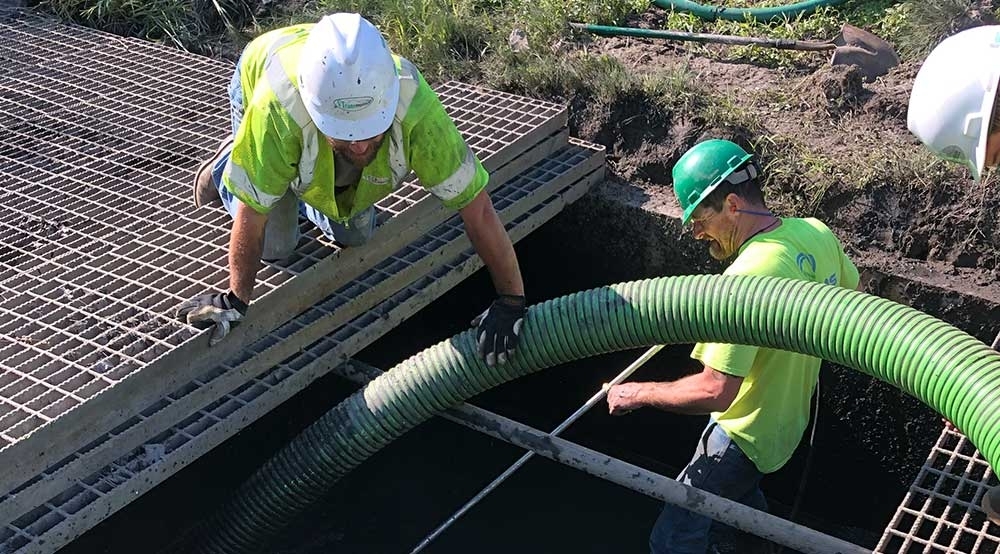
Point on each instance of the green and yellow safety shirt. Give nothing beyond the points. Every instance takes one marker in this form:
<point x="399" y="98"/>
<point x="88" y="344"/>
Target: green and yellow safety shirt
<point x="278" y="146"/>
<point x="771" y="409"/>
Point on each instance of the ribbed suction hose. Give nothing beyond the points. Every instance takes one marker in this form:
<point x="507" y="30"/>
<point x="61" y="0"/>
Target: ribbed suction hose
<point x="949" y="370"/>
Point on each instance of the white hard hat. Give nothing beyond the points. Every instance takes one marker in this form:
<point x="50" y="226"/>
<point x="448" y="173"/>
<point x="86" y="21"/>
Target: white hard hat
<point x="951" y="104"/>
<point x="347" y="78"/>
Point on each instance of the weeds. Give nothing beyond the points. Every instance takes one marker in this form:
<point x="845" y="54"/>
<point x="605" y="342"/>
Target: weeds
<point x="183" y="23"/>
<point x="921" y="25"/>
<point x="598" y="79"/>
<point x="822" y="25"/>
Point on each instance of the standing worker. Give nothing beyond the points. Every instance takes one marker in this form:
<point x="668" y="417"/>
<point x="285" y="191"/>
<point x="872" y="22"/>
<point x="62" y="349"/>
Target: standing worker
<point x="757" y="398"/>
<point x="326" y="122"/>
<point x="953" y="103"/>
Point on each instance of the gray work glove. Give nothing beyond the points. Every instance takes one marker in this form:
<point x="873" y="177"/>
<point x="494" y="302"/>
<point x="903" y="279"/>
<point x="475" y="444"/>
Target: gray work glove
<point x="497" y="328"/>
<point x="223" y="310"/>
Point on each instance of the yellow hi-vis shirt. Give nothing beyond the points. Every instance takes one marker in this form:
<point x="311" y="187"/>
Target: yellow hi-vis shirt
<point x="771" y="409"/>
<point x="278" y="147"/>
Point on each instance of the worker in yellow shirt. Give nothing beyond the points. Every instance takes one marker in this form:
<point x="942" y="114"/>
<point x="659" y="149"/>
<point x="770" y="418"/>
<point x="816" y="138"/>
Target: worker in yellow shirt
<point x="757" y="398"/>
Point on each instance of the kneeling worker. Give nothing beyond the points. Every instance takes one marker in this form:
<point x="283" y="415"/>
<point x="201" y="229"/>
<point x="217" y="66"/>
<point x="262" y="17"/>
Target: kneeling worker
<point x="326" y="122"/>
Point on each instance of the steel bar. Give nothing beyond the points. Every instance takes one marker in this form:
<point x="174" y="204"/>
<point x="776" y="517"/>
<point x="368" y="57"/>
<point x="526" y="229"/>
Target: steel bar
<point x="399" y="270"/>
<point x="745" y="518"/>
<point x="942" y="510"/>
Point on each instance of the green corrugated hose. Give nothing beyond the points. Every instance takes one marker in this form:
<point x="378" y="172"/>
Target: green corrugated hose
<point x="776" y="13"/>
<point x="949" y="370"/>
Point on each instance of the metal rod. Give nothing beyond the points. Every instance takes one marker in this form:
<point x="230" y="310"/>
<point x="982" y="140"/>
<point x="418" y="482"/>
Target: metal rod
<point x="745" y="518"/>
<point x="780" y="43"/>
<point x="597" y="397"/>
<point x="730" y="512"/>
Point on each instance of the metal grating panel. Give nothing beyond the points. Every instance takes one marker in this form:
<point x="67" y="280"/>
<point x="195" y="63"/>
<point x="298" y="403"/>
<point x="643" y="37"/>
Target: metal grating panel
<point x="87" y="501"/>
<point x="409" y="263"/>
<point x="98" y="138"/>
<point x="941" y="513"/>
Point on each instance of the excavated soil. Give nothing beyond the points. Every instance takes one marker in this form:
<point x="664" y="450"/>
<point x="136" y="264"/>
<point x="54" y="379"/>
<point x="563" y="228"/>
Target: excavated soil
<point x="888" y="201"/>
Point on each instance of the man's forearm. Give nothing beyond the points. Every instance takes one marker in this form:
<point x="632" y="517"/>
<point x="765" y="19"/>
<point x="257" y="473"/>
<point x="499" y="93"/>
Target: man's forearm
<point x="684" y="396"/>
<point x="245" y="245"/>
<point x="490" y="239"/>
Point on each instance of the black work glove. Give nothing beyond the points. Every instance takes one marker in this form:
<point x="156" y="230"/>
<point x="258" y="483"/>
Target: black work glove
<point x="497" y="328"/>
<point x="223" y="310"/>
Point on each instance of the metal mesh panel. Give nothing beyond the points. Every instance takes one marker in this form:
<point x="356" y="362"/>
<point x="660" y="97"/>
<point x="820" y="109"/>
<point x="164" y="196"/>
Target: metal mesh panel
<point x="98" y="139"/>
<point x="115" y="484"/>
<point x="941" y="513"/>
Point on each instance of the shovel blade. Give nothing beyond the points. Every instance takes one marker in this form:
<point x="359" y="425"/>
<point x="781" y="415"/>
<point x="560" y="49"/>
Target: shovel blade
<point x="870" y="53"/>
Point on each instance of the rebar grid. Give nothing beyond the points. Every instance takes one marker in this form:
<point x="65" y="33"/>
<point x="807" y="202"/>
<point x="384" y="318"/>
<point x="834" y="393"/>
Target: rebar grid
<point x="99" y="138"/>
<point x="117" y="482"/>
<point x="941" y="512"/>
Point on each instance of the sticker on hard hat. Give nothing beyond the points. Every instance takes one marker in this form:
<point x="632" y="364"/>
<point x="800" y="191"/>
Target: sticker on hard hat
<point x="953" y="153"/>
<point x="353" y="103"/>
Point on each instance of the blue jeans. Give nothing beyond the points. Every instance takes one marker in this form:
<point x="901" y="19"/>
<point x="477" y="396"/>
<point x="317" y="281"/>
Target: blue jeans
<point x="282" y="232"/>
<point x="720" y="467"/>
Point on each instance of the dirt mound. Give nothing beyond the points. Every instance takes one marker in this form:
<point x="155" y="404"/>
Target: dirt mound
<point x="891" y="94"/>
<point x="836" y="90"/>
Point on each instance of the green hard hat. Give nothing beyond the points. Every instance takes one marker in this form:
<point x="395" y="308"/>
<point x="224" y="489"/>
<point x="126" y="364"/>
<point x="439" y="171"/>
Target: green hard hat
<point x="703" y="168"/>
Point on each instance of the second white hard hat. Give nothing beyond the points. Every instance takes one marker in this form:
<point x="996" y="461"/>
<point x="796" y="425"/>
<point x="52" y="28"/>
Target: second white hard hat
<point x="951" y="103"/>
<point x="348" y="78"/>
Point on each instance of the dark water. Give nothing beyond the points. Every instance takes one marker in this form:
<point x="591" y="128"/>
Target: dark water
<point x="398" y="496"/>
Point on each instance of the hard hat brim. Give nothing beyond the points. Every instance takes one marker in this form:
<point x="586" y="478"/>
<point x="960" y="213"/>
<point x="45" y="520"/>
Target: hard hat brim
<point x="689" y="211"/>
<point x="977" y="161"/>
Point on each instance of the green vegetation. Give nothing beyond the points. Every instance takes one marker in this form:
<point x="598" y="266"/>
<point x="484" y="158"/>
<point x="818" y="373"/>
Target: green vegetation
<point x="822" y="25"/>
<point x="471" y="39"/>
<point x="921" y="25"/>
<point x="184" y="24"/>
<point x="526" y="46"/>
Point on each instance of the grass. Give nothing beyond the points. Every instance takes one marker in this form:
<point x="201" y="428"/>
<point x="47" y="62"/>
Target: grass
<point x="921" y="25"/>
<point x="470" y="40"/>
<point x="824" y="24"/>
<point x="452" y="38"/>
<point x="181" y="23"/>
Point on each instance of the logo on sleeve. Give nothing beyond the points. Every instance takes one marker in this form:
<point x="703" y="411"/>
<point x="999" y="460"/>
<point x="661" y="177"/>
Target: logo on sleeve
<point x="807" y="265"/>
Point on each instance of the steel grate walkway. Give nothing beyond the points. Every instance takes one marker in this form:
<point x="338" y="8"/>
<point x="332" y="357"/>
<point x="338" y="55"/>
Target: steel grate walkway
<point x="101" y="240"/>
<point x="560" y="179"/>
<point x="102" y="394"/>
<point x="941" y="513"/>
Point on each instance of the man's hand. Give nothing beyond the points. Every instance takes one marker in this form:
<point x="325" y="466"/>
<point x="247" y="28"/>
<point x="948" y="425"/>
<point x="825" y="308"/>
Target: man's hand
<point x="222" y="310"/>
<point x="498" y="328"/>
<point x="624" y="398"/>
